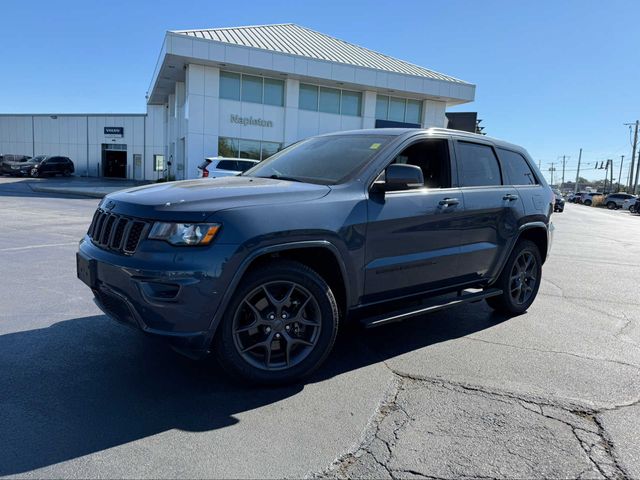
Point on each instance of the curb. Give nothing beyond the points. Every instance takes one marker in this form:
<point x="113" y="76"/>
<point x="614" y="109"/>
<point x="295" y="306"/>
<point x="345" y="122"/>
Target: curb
<point x="64" y="191"/>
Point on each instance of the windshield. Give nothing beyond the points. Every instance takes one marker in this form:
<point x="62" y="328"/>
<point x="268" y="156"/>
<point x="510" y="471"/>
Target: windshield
<point x="326" y="160"/>
<point x="37" y="159"/>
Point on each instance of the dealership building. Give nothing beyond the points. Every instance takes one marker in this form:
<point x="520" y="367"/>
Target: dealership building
<point x="240" y="92"/>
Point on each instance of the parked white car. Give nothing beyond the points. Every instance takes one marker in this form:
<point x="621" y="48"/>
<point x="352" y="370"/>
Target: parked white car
<point x="213" y="167"/>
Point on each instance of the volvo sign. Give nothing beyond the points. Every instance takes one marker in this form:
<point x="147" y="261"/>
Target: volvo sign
<point x="114" y="131"/>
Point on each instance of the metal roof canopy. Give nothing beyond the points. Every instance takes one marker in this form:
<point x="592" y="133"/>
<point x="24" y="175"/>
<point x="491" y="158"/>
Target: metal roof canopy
<point x="283" y="49"/>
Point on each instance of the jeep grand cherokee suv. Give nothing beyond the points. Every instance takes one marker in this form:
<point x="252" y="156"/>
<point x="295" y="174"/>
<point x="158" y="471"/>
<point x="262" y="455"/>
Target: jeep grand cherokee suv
<point x="372" y="225"/>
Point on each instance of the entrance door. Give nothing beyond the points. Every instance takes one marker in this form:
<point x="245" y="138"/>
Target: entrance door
<point x="114" y="161"/>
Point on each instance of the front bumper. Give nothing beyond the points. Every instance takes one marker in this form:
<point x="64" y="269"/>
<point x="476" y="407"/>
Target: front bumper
<point x="161" y="290"/>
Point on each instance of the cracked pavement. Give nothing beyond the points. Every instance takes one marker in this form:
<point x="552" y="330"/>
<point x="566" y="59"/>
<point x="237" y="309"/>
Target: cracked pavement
<point x="554" y="393"/>
<point x="461" y="393"/>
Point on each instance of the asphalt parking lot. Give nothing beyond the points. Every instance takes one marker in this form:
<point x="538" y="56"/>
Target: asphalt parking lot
<point x="460" y="393"/>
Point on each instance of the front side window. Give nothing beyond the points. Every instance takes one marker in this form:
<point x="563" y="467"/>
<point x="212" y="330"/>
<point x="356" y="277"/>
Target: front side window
<point x="517" y="170"/>
<point x="327" y="160"/>
<point x="478" y="165"/>
<point x="432" y="156"/>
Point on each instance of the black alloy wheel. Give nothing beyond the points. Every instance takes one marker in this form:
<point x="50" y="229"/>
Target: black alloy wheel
<point x="35" y="173"/>
<point x="279" y="326"/>
<point x="519" y="280"/>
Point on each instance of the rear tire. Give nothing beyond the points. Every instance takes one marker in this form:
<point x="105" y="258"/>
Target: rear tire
<point x="279" y="327"/>
<point x="519" y="280"/>
<point x="612" y="205"/>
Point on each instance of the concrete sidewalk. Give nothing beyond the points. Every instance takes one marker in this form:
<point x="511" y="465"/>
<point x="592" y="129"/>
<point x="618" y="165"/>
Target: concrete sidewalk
<point x="86" y="187"/>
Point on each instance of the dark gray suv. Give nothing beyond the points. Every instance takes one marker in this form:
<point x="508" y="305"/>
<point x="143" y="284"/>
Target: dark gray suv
<point x="372" y="225"/>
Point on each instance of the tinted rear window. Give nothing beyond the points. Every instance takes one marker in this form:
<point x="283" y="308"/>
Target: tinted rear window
<point x="228" y="165"/>
<point x="516" y="169"/>
<point x="478" y="165"/>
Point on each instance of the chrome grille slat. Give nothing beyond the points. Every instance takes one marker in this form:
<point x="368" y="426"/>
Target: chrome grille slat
<point x="116" y="232"/>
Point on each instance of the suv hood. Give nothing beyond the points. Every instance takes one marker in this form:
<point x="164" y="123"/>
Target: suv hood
<point x="194" y="200"/>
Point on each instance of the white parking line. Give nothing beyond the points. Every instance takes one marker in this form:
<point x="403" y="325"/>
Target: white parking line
<point x="29" y="247"/>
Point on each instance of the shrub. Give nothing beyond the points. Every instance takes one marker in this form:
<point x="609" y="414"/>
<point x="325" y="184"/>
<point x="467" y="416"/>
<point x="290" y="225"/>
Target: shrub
<point x="597" y="201"/>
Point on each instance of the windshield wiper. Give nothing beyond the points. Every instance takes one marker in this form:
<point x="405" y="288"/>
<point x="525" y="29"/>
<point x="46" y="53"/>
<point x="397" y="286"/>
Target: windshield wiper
<point x="284" y="177"/>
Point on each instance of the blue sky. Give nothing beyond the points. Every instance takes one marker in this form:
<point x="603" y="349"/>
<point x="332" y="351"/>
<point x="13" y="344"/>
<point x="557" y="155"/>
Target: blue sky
<point x="553" y="76"/>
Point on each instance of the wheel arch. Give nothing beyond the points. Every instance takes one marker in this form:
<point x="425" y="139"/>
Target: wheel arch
<point x="321" y="256"/>
<point x="537" y="232"/>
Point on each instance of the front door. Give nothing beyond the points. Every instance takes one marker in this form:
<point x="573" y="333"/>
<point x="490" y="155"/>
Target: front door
<point x="412" y="235"/>
<point x="492" y="210"/>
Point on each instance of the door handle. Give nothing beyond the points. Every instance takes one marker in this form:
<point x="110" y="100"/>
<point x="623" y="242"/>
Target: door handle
<point x="448" y="202"/>
<point x="510" y="196"/>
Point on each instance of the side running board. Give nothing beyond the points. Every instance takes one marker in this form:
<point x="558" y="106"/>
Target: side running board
<point x="428" y="307"/>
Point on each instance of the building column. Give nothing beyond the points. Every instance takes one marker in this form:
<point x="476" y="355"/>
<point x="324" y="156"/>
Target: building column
<point x="433" y="114"/>
<point x="291" y="97"/>
<point x="369" y="109"/>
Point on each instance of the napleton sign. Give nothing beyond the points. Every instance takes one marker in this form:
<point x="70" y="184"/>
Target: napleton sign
<point x="254" y="122"/>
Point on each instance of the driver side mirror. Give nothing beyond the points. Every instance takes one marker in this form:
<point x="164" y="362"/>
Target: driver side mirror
<point x="399" y="176"/>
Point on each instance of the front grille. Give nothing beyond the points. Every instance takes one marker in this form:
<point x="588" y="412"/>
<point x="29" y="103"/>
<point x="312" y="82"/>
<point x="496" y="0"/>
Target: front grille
<point x="115" y="232"/>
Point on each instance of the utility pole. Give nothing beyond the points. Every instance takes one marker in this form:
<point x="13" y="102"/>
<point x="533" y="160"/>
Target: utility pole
<point x="552" y="169"/>
<point x="563" y="165"/>
<point x="578" y="172"/>
<point x="620" y="174"/>
<point x="633" y="159"/>
<point x="611" y="176"/>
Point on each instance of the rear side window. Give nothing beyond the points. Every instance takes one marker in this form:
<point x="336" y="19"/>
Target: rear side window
<point x="478" y="165"/>
<point x="227" y="165"/>
<point x="516" y="169"/>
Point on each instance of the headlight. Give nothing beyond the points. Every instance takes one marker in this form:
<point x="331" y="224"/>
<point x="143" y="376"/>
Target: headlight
<point x="184" y="233"/>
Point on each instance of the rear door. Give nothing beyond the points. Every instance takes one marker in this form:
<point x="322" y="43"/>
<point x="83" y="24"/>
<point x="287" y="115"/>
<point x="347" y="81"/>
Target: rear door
<point x="492" y="209"/>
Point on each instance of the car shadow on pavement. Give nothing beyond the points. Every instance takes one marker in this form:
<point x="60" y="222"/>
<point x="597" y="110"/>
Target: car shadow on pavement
<point x="85" y="385"/>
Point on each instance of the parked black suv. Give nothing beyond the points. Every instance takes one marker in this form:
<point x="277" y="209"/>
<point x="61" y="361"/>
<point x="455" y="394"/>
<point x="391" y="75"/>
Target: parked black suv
<point x="52" y="166"/>
<point x="376" y="225"/>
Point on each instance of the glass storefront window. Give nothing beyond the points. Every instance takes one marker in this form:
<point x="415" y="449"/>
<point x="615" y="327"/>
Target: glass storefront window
<point x="308" y="99"/>
<point x="250" y="149"/>
<point x="228" y="147"/>
<point x="329" y="100"/>
<point x="251" y="89"/>
<point x="269" y="148"/>
<point x="230" y="85"/>
<point x="382" y="106"/>
<point x="351" y="103"/>
<point x="414" y="111"/>
<point x="396" y="109"/>
<point x="273" y="92"/>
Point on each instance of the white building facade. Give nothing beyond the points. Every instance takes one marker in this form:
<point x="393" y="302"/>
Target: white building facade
<point x="242" y="92"/>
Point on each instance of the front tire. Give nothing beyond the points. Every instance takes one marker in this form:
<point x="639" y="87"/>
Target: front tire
<point x="519" y="280"/>
<point x="279" y="327"/>
<point x="612" y="205"/>
<point x="587" y="203"/>
<point x="35" y="173"/>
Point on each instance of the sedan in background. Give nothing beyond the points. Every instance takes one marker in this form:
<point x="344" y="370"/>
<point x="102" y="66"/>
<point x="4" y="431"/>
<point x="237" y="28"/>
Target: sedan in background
<point x="617" y="200"/>
<point x="214" y="167"/>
